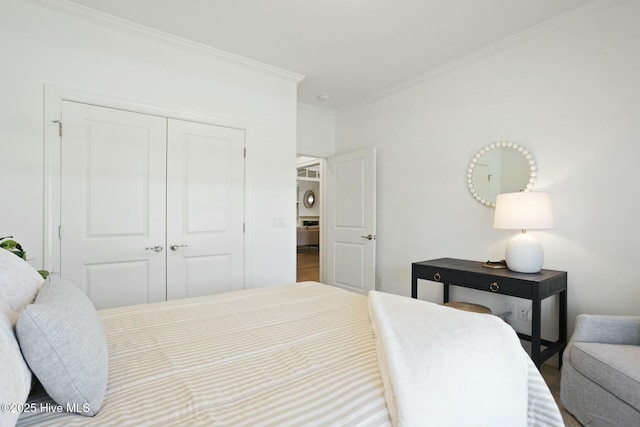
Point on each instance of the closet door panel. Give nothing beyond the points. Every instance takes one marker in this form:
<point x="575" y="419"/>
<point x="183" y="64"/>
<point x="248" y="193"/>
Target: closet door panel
<point x="206" y="186"/>
<point x="205" y="209"/>
<point x="203" y="275"/>
<point x="113" y="198"/>
<point x="116" y="284"/>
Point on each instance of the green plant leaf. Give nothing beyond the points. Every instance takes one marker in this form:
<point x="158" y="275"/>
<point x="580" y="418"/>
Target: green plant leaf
<point x="13" y="247"/>
<point x="8" y="244"/>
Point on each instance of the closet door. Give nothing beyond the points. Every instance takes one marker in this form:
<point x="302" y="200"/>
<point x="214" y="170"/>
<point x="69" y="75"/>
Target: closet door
<point x="205" y="209"/>
<point x="113" y="180"/>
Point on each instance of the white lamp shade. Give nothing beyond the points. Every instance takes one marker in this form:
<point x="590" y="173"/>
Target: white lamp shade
<point x="523" y="211"/>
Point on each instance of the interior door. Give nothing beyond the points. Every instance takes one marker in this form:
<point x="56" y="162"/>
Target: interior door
<point x="481" y="179"/>
<point x="205" y="209"/>
<point x="113" y="180"/>
<point x="351" y="220"/>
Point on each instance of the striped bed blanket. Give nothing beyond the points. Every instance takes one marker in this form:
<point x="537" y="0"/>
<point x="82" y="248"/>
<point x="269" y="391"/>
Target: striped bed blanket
<point x="303" y="354"/>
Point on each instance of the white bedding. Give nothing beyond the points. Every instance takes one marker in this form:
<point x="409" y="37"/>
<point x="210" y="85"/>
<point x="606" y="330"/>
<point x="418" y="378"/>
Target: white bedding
<point x="303" y="354"/>
<point x="444" y="367"/>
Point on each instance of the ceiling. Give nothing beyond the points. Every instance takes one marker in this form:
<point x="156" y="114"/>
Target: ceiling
<point x="348" y="49"/>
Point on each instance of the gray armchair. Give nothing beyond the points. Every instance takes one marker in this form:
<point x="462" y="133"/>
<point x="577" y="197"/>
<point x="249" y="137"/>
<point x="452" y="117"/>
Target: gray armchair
<point x="600" y="381"/>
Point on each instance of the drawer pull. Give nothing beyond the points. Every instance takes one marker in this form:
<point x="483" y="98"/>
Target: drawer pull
<point x="494" y="287"/>
<point x="437" y="277"/>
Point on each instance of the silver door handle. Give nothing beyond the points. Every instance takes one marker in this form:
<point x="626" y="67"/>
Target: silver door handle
<point x="369" y="237"/>
<point x="175" y="247"/>
<point x="156" y="248"/>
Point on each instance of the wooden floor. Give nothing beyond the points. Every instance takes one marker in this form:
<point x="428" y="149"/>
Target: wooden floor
<point x="308" y="266"/>
<point x="551" y="376"/>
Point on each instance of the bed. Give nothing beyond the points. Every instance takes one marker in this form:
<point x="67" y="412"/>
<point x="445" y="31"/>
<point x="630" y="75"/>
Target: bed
<point x="302" y="354"/>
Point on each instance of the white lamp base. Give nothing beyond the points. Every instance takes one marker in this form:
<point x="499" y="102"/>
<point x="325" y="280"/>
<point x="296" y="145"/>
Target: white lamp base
<point x="524" y="254"/>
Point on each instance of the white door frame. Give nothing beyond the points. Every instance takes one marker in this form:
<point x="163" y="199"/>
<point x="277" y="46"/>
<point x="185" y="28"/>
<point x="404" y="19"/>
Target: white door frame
<point x="53" y="98"/>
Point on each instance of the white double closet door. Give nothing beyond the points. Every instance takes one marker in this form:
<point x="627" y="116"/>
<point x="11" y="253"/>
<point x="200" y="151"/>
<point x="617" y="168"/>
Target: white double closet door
<point x="151" y="208"/>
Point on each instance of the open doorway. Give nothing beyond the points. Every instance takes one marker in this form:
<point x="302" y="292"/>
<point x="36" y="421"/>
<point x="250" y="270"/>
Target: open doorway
<point x="309" y="172"/>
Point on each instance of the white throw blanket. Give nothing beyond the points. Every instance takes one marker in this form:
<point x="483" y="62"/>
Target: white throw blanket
<point x="446" y="367"/>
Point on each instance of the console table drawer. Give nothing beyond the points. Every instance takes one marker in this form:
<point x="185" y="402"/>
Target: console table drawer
<point x="499" y="285"/>
<point x="440" y="275"/>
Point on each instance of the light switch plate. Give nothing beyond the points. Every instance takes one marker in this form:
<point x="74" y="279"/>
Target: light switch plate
<point x="279" y="221"/>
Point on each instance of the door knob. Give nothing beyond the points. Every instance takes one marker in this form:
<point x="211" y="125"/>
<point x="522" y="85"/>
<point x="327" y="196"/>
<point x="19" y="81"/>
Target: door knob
<point x="175" y="247"/>
<point x="156" y="248"/>
<point x="369" y="237"/>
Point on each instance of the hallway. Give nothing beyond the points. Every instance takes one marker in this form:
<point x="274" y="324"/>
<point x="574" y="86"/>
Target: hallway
<point x="308" y="266"/>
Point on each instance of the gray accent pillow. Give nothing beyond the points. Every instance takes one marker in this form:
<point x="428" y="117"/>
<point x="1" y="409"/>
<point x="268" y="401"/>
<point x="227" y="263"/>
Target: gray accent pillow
<point x="64" y="344"/>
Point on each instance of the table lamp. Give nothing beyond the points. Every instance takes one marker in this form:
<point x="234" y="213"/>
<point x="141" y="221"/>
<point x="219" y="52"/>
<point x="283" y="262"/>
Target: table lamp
<point x="523" y="211"/>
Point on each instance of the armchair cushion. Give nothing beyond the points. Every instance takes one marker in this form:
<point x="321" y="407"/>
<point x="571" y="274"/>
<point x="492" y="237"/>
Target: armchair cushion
<point x="607" y="329"/>
<point x="615" y="367"/>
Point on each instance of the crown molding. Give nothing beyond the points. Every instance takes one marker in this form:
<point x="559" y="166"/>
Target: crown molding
<point x="95" y="16"/>
<point x="315" y="109"/>
<point x="586" y="9"/>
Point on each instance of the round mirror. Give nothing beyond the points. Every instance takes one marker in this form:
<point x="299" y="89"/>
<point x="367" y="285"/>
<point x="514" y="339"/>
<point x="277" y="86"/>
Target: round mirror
<point x="309" y="199"/>
<point x="501" y="167"/>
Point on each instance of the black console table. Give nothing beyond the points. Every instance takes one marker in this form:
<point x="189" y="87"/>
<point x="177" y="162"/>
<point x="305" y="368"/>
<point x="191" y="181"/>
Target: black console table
<point x="531" y="286"/>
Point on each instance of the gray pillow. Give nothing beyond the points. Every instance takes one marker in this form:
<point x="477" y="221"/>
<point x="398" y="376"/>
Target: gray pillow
<point x="64" y="344"/>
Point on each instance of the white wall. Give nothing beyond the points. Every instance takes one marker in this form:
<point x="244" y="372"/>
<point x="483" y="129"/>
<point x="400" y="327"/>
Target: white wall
<point x="316" y="131"/>
<point x="42" y="46"/>
<point x="570" y="95"/>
